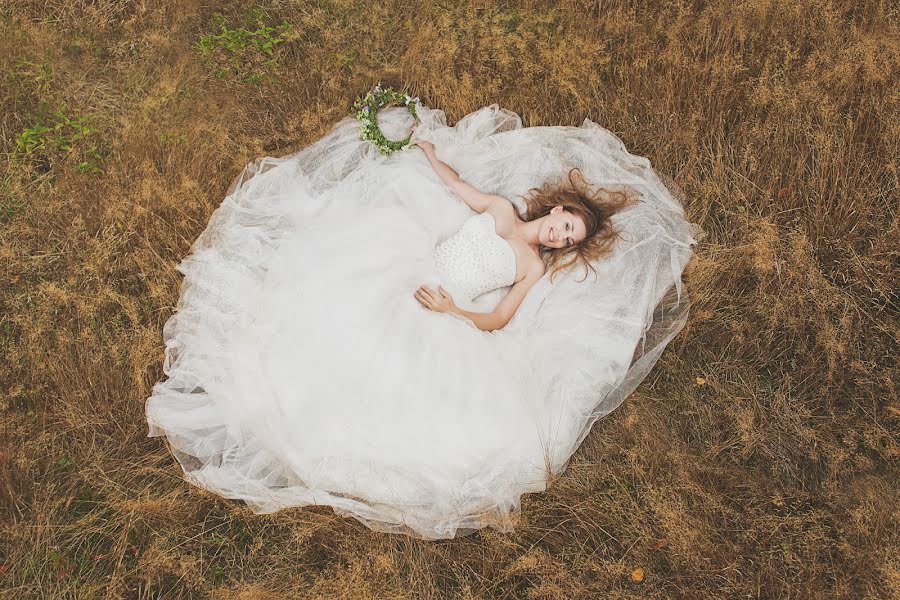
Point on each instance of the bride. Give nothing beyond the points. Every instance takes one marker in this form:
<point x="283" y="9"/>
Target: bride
<point x="378" y="336"/>
<point x="579" y="226"/>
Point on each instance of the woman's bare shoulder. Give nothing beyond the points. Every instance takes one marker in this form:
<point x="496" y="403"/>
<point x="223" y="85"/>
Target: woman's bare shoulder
<point x="504" y="214"/>
<point x="536" y="264"/>
<point x="529" y="263"/>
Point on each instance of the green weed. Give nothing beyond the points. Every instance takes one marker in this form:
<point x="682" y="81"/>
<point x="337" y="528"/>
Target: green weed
<point x="10" y="205"/>
<point x="62" y="138"/>
<point x="248" y="54"/>
<point x="39" y="74"/>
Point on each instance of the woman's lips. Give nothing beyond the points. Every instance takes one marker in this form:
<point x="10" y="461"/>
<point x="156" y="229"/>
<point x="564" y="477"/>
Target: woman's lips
<point x="552" y="237"/>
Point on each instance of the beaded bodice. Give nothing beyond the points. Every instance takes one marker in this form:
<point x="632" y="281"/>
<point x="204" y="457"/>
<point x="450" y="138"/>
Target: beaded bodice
<point x="475" y="259"/>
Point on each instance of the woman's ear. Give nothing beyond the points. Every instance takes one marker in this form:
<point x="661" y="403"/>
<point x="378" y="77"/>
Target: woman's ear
<point x="556" y="209"/>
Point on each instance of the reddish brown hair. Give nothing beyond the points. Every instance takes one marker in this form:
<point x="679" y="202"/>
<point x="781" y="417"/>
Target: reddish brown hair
<point x="595" y="206"/>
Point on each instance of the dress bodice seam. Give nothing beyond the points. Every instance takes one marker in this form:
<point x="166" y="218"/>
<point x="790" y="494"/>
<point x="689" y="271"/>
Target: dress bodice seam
<point x="505" y="243"/>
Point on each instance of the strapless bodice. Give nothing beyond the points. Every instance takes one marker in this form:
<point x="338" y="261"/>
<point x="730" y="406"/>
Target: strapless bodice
<point x="475" y="259"/>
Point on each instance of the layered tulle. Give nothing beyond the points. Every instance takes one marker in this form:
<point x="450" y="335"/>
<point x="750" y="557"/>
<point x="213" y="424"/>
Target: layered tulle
<point x="301" y="370"/>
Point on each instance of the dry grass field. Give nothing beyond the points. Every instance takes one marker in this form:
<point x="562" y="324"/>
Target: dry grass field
<point x="758" y="460"/>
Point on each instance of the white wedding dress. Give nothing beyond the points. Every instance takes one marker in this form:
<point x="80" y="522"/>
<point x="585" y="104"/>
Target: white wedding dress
<point x="301" y="369"/>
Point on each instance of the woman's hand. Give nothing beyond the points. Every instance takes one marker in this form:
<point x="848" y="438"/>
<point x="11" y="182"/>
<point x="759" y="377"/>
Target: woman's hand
<point x="439" y="301"/>
<point x="425" y="145"/>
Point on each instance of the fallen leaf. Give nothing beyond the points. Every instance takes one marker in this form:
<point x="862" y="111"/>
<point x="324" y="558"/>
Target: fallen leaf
<point x="637" y="575"/>
<point x="700" y="380"/>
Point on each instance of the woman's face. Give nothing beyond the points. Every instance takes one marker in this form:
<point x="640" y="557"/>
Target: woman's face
<point x="561" y="228"/>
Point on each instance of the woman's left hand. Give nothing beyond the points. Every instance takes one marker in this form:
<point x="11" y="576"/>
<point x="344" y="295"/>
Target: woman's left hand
<point x="438" y="301"/>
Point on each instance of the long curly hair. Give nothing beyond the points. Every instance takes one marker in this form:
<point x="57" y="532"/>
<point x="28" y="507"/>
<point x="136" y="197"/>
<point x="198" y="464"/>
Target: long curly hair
<point x="595" y="206"/>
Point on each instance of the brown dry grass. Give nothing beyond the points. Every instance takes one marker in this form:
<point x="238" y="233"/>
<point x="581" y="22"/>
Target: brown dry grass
<point x="776" y="478"/>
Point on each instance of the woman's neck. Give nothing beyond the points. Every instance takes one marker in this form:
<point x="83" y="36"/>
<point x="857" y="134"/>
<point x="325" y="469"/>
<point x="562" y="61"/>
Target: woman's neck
<point x="527" y="231"/>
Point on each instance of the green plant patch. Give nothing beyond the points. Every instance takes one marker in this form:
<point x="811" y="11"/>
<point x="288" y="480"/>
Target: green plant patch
<point x="248" y="52"/>
<point x="11" y="204"/>
<point x="62" y="138"/>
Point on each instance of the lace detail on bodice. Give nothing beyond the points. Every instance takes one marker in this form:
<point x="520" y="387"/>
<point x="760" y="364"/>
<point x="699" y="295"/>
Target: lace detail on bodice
<point x="475" y="259"/>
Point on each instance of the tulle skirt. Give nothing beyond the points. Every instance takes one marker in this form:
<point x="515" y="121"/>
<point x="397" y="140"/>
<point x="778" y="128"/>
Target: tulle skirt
<point x="301" y="370"/>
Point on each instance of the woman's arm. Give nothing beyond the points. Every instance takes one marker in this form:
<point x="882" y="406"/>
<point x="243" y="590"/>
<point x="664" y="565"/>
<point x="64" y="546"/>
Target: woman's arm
<point x="506" y="308"/>
<point x="489" y="321"/>
<point x="440" y="301"/>
<point x="476" y="199"/>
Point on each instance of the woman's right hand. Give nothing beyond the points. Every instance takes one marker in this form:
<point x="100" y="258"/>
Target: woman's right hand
<point x="425" y="145"/>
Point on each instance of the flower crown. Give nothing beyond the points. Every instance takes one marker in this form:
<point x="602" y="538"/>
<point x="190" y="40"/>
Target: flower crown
<point x="367" y="107"/>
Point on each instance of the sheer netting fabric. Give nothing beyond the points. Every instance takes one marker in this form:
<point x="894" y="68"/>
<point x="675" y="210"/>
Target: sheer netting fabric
<point x="302" y="371"/>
